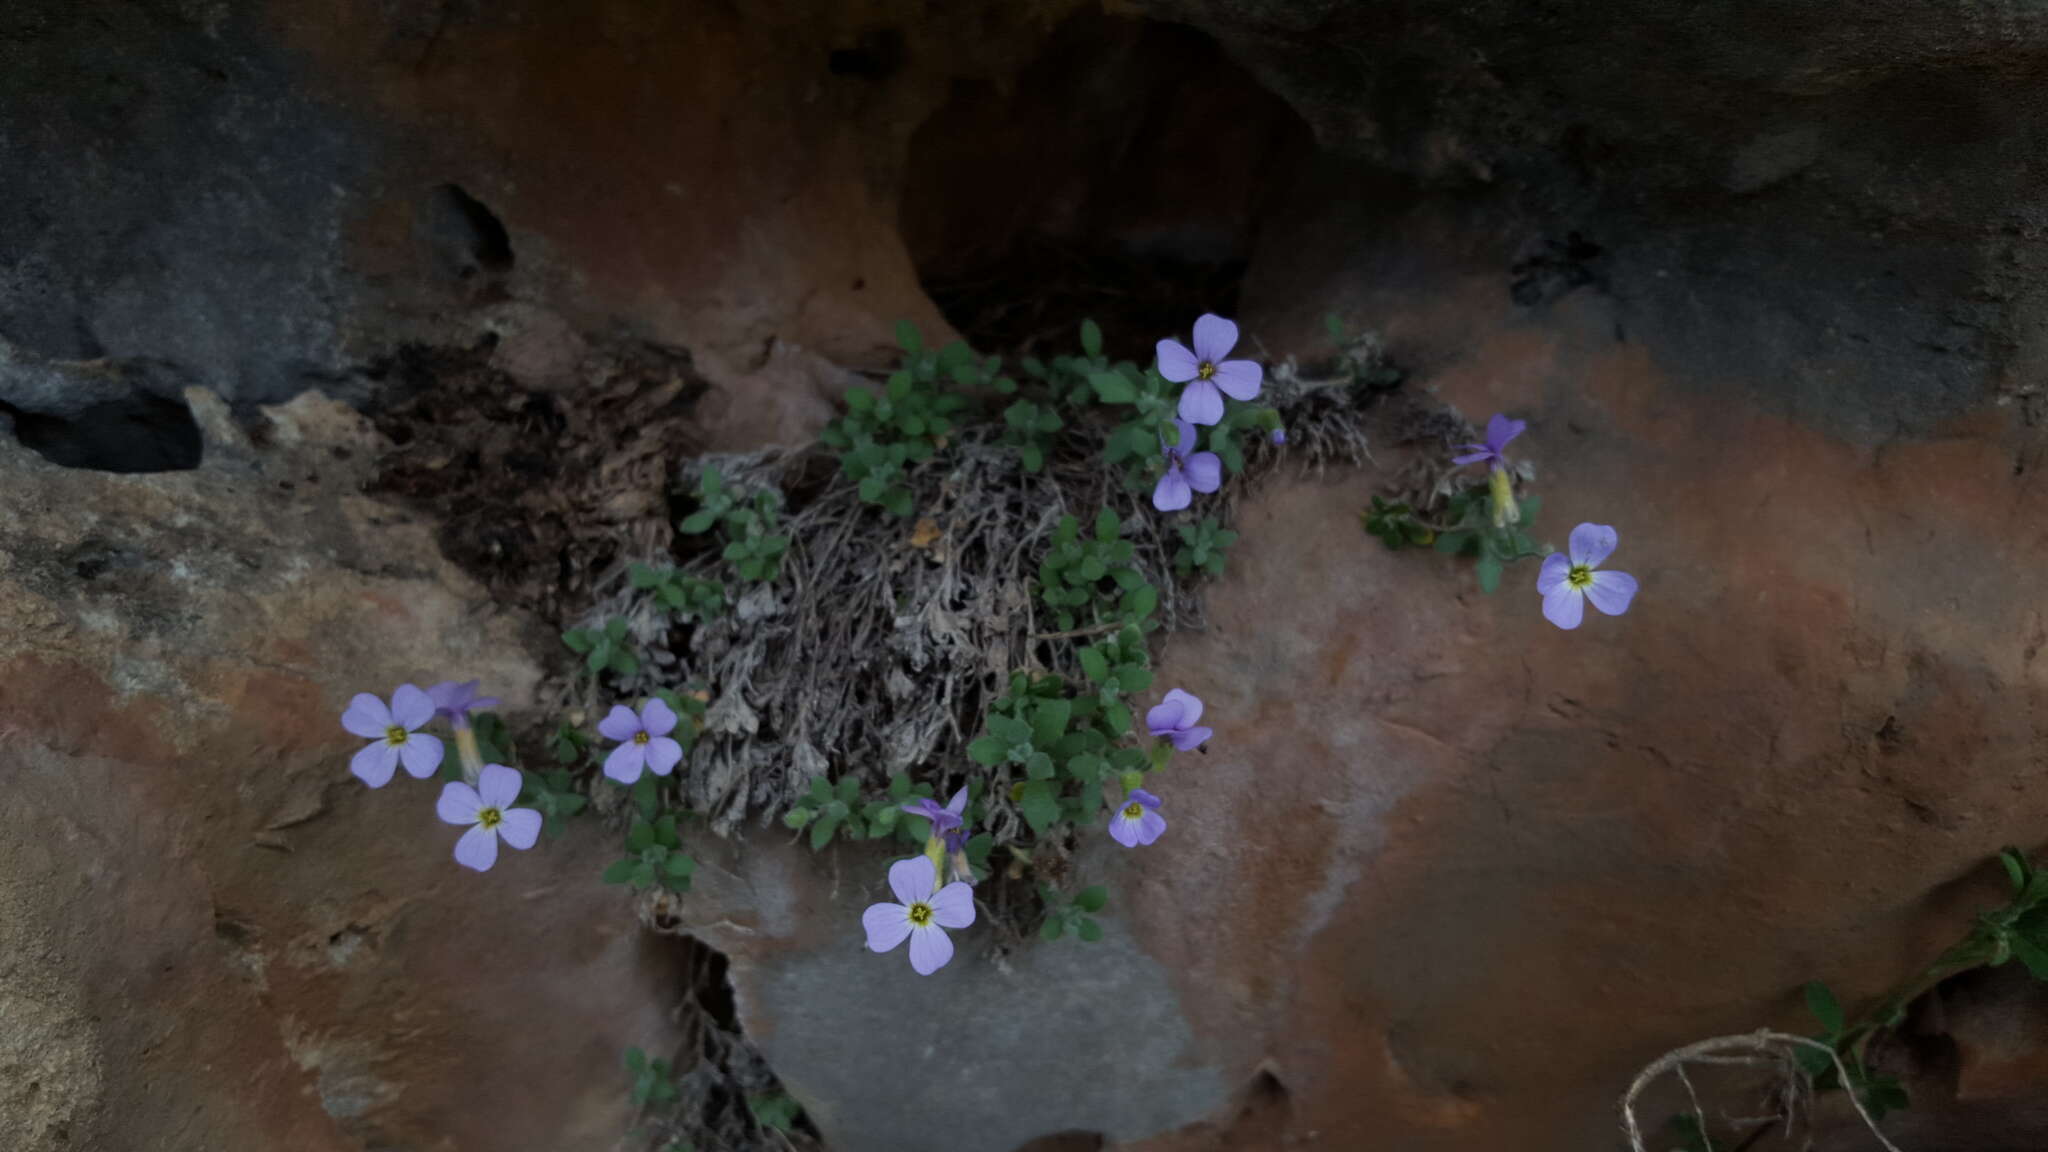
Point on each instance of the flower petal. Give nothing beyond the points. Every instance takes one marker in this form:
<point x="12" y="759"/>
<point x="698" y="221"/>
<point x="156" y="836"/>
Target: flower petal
<point x="1564" y="606"/>
<point x="1184" y="440"/>
<point x="888" y="925"/>
<point x="1612" y="591"/>
<point x="1190" y="705"/>
<point x="657" y="718"/>
<point x="458" y="803"/>
<point x="1556" y="567"/>
<point x="422" y="754"/>
<point x="375" y="763"/>
<point x="1204" y="471"/>
<point x="1172" y="493"/>
<point x="366" y="717"/>
<point x="912" y="880"/>
<point x="1165" y="716"/>
<point x="1201" y="403"/>
<point x="663" y="754"/>
<point x="1150" y="826"/>
<point x="1484" y="453"/>
<point x="1176" y="363"/>
<point x="1143" y="797"/>
<point x="930" y="949"/>
<point x="1214" y="338"/>
<point x="477" y="849"/>
<point x="1500" y="430"/>
<point x="626" y="762"/>
<point x="1123" y="829"/>
<point x="958" y="804"/>
<point x="953" y="906"/>
<point x="618" y="724"/>
<point x="448" y="695"/>
<point x="521" y="827"/>
<point x="1592" y="543"/>
<point x="1240" y="379"/>
<point x="498" y="786"/>
<point x="1189" y="739"/>
<point x="411" y="707"/>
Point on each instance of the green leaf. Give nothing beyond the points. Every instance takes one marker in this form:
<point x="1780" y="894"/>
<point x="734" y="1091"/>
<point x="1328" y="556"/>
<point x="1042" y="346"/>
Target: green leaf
<point x="643" y="874"/>
<point x="619" y="871"/>
<point x="679" y="866"/>
<point x="578" y="640"/>
<point x="978" y="848"/>
<point x="2015" y="868"/>
<point x="1091" y="338"/>
<point x="1051" y="929"/>
<point x="1039" y="767"/>
<point x="1094" y="664"/>
<point x="1039" y="805"/>
<point x="1141" y="602"/>
<point x="640" y="837"/>
<point x="899" y="787"/>
<point x="821" y="832"/>
<point x="1049" y="722"/>
<point x="1820" y="1001"/>
<point x="849" y="787"/>
<point x="1032" y="457"/>
<point x="665" y="831"/>
<point x="2030" y="954"/>
<point x="1089" y="930"/>
<point x="645" y="797"/>
<point x="636" y="1060"/>
<point x="1111" y="388"/>
<point x="1489" y="570"/>
<point x="908" y="338"/>
<point x="821" y="789"/>
<point x="1010" y="731"/>
<point x="1091" y="898"/>
<point x="1107" y="525"/>
<point x="988" y="751"/>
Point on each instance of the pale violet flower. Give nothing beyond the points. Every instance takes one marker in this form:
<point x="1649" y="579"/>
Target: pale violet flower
<point x="1187" y="471"/>
<point x="1208" y="376"/>
<point x="922" y="917"/>
<point x="1138" y="821"/>
<point x="1174" y="718"/>
<point x="455" y="700"/>
<point x="1567" y="582"/>
<point x="394" y="734"/>
<point x="944" y="819"/>
<point x="644" y="741"/>
<point x="1499" y="430"/>
<point x="487" y="809"/>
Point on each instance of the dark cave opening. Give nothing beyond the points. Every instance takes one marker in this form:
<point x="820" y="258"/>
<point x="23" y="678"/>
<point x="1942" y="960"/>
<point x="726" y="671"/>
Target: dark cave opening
<point x="1122" y="176"/>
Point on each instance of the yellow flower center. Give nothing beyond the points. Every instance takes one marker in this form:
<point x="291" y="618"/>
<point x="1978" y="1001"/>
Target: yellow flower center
<point x="489" y="817"/>
<point x="1206" y="371"/>
<point x="1133" y="810"/>
<point x="921" y="914"/>
<point x="394" y="735"/>
<point x="1579" y="577"/>
<point x="641" y="737"/>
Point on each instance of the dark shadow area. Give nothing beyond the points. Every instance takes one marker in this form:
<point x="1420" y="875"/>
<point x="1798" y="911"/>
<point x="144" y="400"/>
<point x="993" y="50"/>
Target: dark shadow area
<point x="1123" y="175"/>
<point x="135" y="433"/>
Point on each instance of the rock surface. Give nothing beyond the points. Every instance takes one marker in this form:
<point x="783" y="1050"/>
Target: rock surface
<point x="1767" y="279"/>
<point x="211" y="936"/>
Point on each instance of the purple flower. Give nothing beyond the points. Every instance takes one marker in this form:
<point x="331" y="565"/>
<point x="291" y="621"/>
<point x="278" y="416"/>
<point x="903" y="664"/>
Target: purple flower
<point x="487" y="809"/>
<point x="644" y="741"/>
<point x="1567" y="583"/>
<point x="1138" y="821"/>
<point x="1279" y="436"/>
<point x="945" y="819"/>
<point x="394" y="735"/>
<point x="922" y="916"/>
<point x="456" y="701"/>
<point x="1205" y="370"/>
<point x="1186" y="471"/>
<point x="1499" y="430"/>
<point x="1174" y="719"/>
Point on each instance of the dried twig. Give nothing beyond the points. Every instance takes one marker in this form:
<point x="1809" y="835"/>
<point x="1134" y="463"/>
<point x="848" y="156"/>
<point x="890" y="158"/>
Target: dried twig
<point x="1761" y="1043"/>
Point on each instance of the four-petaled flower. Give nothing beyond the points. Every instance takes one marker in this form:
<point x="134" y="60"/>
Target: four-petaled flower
<point x="456" y="700"/>
<point x="1499" y="430"/>
<point x="644" y="741"/>
<point x="394" y="735"/>
<point x="1567" y="582"/>
<point x="1206" y="373"/>
<point x="922" y="917"/>
<point x="1138" y="821"/>
<point x="1187" y="471"/>
<point x="487" y="809"/>
<point x="1174" y="718"/>
<point x="943" y="819"/>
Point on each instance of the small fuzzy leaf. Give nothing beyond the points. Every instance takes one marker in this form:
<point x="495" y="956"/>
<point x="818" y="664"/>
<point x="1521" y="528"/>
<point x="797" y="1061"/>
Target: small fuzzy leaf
<point x="1089" y="930"/>
<point x="1820" y="1000"/>
<point x="821" y="832"/>
<point x="1049" y="722"/>
<point x="641" y="837"/>
<point x="1111" y="388"/>
<point x="619" y="871"/>
<point x="908" y="338"/>
<point x="1091" y="338"/>
<point x="1010" y="731"/>
<point x="1091" y="898"/>
<point x="1052" y="929"/>
<point x="988" y="751"/>
<point x="1094" y="665"/>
